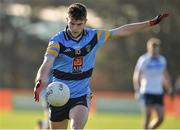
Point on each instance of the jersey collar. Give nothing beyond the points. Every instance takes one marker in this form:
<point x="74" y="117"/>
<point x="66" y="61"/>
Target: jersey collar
<point x="68" y="37"/>
<point x="153" y="57"/>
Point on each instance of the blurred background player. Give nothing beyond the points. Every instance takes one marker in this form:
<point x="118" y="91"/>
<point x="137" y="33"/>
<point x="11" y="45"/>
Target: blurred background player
<point x="43" y="124"/>
<point x="71" y="54"/>
<point x="150" y="76"/>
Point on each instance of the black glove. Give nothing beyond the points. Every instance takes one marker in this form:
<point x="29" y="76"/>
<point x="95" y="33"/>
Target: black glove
<point x="158" y="19"/>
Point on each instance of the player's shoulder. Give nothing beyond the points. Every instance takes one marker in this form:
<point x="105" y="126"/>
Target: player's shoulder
<point x="162" y="58"/>
<point x="144" y="57"/>
<point x="90" y="33"/>
<point x="90" y="30"/>
<point x="57" y="37"/>
<point x="95" y="30"/>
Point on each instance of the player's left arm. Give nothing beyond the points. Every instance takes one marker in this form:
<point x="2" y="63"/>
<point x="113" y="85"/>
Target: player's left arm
<point x="128" y="29"/>
<point x="167" y="82"/>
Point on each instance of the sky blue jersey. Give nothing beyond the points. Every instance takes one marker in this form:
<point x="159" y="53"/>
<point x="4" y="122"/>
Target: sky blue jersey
<point x="75" y="60"/>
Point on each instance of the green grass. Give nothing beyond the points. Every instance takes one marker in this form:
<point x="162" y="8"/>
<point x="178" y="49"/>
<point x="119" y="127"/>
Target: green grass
<point x="126" y="121"/>
<point x="19" y="119"/>
<point x="28" y="119"/>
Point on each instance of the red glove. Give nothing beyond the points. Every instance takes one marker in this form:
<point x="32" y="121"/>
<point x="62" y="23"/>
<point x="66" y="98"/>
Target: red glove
<point x="37" y="90"/>
<point x="157" y="19"/>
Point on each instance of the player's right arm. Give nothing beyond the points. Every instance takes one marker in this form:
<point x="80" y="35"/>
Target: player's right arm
<point x="136" y="80"/>
<point x="45" y="68"/>
<point x="137" y="76"/>
<point x="42" y="76"/>
<point x="136" y="83"/>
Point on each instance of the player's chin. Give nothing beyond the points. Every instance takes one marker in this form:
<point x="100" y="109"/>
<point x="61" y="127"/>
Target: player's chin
<point x="75" y="35"/>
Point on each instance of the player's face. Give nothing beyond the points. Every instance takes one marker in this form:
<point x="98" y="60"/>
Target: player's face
<point x="76" y="26"/>
<point x="154" y="49"/>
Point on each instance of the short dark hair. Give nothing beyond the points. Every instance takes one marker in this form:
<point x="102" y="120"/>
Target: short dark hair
<point x="77" y="11"/>
<point x="153" y="42"/>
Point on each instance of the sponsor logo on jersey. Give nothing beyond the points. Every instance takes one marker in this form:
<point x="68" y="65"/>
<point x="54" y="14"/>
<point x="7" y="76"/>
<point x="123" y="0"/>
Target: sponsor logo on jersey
<point x="77" y="64"/>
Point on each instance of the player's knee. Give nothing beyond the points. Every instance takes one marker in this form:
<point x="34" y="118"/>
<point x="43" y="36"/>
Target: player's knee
<point x="77" y="125"/>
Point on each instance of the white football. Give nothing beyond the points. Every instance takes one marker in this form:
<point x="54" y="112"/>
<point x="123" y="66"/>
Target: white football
<point x="57" y="94"/>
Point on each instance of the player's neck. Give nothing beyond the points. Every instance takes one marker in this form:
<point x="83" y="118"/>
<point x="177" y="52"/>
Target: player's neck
<point x="75" y="38"/>
<point x="154" y="55"/>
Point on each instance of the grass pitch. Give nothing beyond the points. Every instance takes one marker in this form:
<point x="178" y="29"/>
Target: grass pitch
<point x="28" y="120"/>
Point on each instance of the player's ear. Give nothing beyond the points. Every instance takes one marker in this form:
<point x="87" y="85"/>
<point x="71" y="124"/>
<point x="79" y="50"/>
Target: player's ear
<point x="67" y="19"/>
<point x="86" y="20"/>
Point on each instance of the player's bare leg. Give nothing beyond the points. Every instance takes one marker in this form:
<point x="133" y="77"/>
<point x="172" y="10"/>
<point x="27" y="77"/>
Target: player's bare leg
<point x="78" y="116"/>
<point x="59" y="125"/>
<point x="147" y="112"/>
<point x="160" y="117"/>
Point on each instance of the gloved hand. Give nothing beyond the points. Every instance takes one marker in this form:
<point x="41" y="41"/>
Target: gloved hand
<point x="158" y="19"/>
<point x="37" y="90"/>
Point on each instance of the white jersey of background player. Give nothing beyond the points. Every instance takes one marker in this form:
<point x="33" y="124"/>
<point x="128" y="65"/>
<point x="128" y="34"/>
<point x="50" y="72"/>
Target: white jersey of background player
<point x="150" y="76"/>
<point x="151" y="69"/>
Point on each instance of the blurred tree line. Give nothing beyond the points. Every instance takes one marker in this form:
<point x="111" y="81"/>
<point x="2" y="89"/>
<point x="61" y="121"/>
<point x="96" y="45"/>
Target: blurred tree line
<point x="23" y="40"/>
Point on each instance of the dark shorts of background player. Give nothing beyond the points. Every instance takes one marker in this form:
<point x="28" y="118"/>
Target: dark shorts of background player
<point x="58" y="114"/>
<point x="153" y="99"/>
